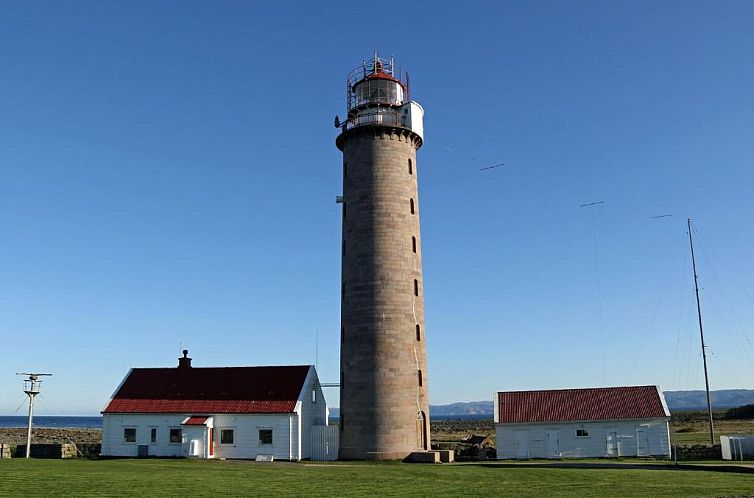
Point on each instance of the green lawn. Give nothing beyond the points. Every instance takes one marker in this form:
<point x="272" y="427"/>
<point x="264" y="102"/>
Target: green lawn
<point x="20" y="477"/>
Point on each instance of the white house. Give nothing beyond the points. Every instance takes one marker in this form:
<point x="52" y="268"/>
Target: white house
<point x="232" y="412"/>
<point x="582" y="423"/>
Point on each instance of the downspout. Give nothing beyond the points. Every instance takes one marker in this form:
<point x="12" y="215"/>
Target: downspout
<point x="290" y="437"/>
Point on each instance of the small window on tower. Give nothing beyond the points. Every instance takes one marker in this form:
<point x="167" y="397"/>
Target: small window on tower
<point x="413" y="243"/>
<point x="418" y="333"/>
<point x="410" y="202"/>
<point x="416" y="287"/>
<point x="344" y="209"/>
<point x="410" y="167"/>
<point x="420" y="378"/>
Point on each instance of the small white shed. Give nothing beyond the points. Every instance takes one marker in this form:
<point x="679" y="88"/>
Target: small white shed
<point x="582" y="423"/>
<point x="228" y="412"/>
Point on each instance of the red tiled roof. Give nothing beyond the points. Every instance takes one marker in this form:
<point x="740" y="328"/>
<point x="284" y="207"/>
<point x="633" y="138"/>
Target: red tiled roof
<point x="194" y="420"/>
<point x="603" y="403"/>
<point x="210" y="390"/>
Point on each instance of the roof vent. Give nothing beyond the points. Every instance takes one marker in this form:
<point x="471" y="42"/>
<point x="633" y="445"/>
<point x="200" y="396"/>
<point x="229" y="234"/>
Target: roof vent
<point x="184" y="362"/>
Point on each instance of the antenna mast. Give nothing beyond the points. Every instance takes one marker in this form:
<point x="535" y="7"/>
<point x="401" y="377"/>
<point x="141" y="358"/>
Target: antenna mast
<point x="701" y="333"/>
<point x="31" y="388"/>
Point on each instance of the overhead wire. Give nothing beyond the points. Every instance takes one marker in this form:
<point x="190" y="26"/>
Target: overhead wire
<point x="599" y="290"/>
<point x="746" y="345"/>
<point x="653" y="315"/>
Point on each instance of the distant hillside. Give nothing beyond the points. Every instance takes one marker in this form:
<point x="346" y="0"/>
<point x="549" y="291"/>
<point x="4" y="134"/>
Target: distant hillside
<point x="697" y="400"/>
<point x="677" y="400"/>
<point x="473" y="408"/>
<point x="455" y="409"/>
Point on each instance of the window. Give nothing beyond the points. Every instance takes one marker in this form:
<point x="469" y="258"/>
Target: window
<point x="265" y="436"/>
<point x="416" y="287"/>
<point x="418" y="333"/>
<point x="175" y="436"/>
<point x="413" y="243"/>
<point x="226" y="436"/>
<point x="314" y="395"/>
<point x="582" y="433"/>
<point x="411" y="202"/>
<point x="420" y="377"/>
<point x="410" y="167"/>
<point x="153" y="435"/>
<point x="129" y="434"/>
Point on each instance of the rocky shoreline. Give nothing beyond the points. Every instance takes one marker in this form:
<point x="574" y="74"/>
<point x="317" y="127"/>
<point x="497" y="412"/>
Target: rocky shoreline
<point x="17" y="436"/>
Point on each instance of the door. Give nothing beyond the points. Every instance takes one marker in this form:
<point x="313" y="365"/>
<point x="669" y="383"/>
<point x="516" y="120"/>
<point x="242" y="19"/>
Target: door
<point x="642" y="442"/>
<point x="522" y="444"/>
<point x="421" y="431"/>
<point x="552" y="437"/>
<point x="211" y="442"/>
<point x="612" y="443"/>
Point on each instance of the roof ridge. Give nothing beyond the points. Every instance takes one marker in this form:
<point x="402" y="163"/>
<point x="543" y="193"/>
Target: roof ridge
<point x="578" y="389"/>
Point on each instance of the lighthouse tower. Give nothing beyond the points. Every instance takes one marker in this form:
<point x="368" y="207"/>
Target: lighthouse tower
<point x="384" y="411"/>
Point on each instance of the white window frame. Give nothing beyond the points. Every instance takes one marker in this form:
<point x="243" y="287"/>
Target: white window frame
<point x="136" y="434"/>
<point x="272" y="436"/>
<point x="170" y="429"/>
<point x="220" y="439"/>
<point x="156" y="434"/>
<point x="583" y="429"/>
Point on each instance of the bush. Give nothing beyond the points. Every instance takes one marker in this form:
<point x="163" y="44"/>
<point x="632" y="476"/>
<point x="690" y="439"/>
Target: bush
<point x="740" y="412"/>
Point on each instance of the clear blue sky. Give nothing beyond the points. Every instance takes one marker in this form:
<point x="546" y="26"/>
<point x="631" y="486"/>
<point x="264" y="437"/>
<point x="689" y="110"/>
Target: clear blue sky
<point x="168" y="174"/>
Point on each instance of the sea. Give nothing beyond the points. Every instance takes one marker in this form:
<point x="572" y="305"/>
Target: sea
<point x="52" y="422"/>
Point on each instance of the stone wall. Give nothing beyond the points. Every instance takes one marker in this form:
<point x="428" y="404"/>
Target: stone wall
<point x="384" y="408"/>
<point x="699" y="452"/>
<point x="65" y="450"/>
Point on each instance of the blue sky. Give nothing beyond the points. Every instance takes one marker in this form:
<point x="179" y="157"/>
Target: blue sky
<point x="168" y="174"/>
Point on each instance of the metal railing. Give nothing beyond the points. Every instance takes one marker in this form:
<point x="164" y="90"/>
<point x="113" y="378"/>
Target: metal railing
<point x="382" y="117"/>
<point x="372" y="66"/>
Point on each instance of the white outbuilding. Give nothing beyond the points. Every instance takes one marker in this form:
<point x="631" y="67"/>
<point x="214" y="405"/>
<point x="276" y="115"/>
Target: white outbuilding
<point x="231" y="412"/>
<point x="582" y="423"/>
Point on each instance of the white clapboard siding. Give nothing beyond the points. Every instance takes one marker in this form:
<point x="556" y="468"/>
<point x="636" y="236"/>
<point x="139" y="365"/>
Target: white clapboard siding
<point x="325" y="440"/>
<point x="606" y="438"/>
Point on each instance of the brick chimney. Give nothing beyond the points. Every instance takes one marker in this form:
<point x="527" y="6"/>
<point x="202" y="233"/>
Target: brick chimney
<point x="184" y="362"/>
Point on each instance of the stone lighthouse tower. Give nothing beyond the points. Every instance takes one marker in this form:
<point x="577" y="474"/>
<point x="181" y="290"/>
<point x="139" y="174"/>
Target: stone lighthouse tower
<point x="384" y="411"/>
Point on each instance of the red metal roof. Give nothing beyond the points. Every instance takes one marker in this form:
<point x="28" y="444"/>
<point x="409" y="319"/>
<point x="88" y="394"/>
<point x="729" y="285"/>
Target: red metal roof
<point x="602" y="403"/>
<point x="210" y="390"/>
<point x="195" y="420"/>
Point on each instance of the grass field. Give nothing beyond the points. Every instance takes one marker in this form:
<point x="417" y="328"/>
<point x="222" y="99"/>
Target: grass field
<point x="20" y="477"/>
<point x="697" y="432"/>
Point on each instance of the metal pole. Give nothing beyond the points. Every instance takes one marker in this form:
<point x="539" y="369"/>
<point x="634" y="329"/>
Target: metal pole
<point x="28" y="434"/>
<point x="701" y="333"/>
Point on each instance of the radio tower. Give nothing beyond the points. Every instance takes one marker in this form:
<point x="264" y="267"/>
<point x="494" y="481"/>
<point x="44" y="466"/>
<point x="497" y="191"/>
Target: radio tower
<point x="384" y="411"/>
<point x="31" y="388"/>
